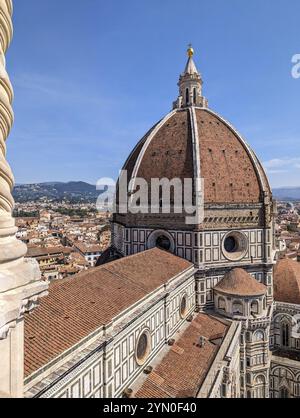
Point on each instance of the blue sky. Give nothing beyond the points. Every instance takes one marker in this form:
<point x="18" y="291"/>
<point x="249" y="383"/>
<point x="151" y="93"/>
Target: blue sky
<point x="91" y="76"/>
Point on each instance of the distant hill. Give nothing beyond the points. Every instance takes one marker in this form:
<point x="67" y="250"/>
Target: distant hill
<point x="74" y="191"/>
<point x="287" y="193"/>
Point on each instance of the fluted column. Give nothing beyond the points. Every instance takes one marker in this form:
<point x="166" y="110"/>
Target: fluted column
<point x="10" y="249"/>
<point x="20" y="279"/>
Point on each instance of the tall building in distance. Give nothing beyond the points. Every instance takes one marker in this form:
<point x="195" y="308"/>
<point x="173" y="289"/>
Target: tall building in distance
<point x="173" y="309"/>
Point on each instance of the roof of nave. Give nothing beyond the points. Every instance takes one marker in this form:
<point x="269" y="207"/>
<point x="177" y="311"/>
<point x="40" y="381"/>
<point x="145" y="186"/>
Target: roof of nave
<point x="183" y="369"/>
<point x="79" y="305"/>
<point x="287" y="281"/>
<point x="240" y="283"/>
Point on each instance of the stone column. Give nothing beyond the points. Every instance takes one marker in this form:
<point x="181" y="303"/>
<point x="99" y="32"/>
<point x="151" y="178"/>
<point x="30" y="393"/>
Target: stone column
<point x="20" y="284"/>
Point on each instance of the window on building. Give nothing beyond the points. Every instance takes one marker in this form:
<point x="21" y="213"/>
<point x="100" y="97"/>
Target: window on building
<point x="143" y="347"/>
<point x="222" y="304"/>
<point x="187" y="96"/>
<point x="285" y="334"/>
<point x="259" y="336"/>
<point x="254" y="307"/>
<point x="195" y="95"/>
<point x="260" y="383"/>
<point x="163" y="243"/>
<point x="284" y="392"/>
<point x="237" y="308"/>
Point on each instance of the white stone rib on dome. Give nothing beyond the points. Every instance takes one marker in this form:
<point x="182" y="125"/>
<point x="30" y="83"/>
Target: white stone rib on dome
<point x="145" y="146"/>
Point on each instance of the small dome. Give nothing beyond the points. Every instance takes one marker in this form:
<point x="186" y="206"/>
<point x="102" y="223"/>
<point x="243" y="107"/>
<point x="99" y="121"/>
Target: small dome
<point x="240" y="283"/>
<point x="287" y="281"/>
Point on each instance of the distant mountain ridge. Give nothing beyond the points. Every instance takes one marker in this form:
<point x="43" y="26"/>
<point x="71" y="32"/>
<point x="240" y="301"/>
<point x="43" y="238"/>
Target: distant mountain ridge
<point x="82" y="191"/>
<point x="286" y="193"/>
<point x="72" y="191"/>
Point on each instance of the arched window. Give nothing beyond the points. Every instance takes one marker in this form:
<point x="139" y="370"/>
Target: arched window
<point x="187" y="96"/>
<point x="237" y="308"/>
<point x="254" y="307"/>
<point x="222" y="304"/>
<point x="260" y="382"/>
<point x="285" y="334"/>
<point x="284" y="392"/>
<point x="259" y="336"/>
<point x="195" y="95"/>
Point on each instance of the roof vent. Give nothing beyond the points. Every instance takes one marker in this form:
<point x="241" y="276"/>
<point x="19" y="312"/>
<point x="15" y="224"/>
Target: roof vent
<point x="190" y="318"/>
<point x="202" y="341"/>
<point x="148" y="370"/>
<point x="127" y="393"/>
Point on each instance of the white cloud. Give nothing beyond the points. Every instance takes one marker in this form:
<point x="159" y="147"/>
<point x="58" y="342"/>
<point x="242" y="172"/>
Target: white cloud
<point x="283" y="172"/>
<point x="282" y="164"/>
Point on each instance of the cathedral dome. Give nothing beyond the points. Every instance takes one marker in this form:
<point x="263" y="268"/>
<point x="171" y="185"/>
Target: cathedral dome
<point x="238" y="282"/>
<point x="287" y="281"/>
<point x="195" y="142"/>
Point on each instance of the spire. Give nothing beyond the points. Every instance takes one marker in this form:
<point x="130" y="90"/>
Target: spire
<point x="190" y="85"/>
<point x="190" y="67"/>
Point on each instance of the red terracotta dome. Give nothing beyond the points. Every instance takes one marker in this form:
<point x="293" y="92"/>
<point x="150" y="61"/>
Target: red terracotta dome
<point x="197" y="140"/>
<point x="287" y="281"/>
<point x="240" y="283"/>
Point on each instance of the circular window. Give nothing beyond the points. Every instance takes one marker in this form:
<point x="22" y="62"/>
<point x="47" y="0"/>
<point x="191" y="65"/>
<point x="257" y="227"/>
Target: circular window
<point x="163" y="243"/>
<point x="230" y="244"/>
<point x="161" y="239"/>
<point x="143" y="347"/>
<point x="235" y="245"/>
<point x="184" y="306"/>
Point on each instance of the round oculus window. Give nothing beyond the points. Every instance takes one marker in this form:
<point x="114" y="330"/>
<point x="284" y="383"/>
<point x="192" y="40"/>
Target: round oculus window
<point x="230" y="244"/>
<point x="234" y="245"/>
<point x="143" y="347"/>
<point x="163" y="243"/>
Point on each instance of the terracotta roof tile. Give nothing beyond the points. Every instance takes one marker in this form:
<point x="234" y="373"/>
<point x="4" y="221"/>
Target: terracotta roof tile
<point x="79" y="305"/>
<point x="287" y="281"/>
<point x="181" y="374"/>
